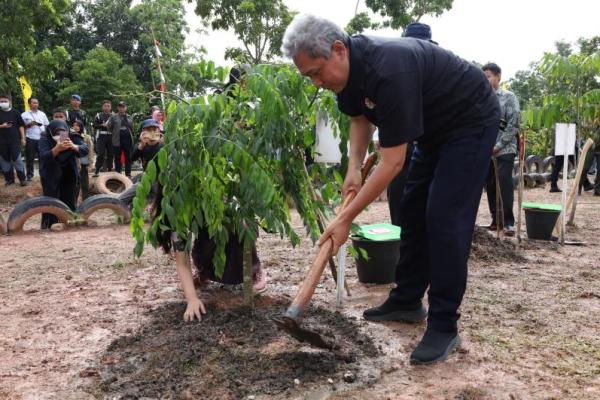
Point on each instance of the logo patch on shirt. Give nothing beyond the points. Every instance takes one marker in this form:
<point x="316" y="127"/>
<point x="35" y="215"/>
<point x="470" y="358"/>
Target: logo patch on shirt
<point x="369" y="104"/>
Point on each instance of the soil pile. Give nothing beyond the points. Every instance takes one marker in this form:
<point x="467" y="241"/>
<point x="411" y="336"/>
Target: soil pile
<point x="227" y="355"/>
<point x="488" y="248"/>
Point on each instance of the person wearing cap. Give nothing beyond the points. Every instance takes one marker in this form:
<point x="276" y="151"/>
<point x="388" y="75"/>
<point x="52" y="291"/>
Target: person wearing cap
<point x="395" y="189"/>
<point x="104" y="147"/>
<point x="59" y="171"/>
<point x="412" y="90"/>
<point x="150" y="143"/>
<point x="121" y="127"/>
<point x="75" y="112"/>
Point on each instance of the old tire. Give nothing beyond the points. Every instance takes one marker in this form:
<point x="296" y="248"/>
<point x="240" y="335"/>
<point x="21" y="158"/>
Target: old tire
<point x="112" y="183"/>
<point x="3" y="230"/>
<point x="538" y="178"/>
<point x="547" y="164"/>
<point x="37" y="205"/>
<point x="529" y="181"/>
<point x="137" y="178"/>
<point x="533" y="164"/>
<point x="103" y="202"/>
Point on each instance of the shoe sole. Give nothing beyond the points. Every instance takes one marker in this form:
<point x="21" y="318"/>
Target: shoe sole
<point x="454" y="344"/>
<point x="399" y="316"/>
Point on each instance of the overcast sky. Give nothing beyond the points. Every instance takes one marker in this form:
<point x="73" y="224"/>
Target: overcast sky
<point x="512" y="33"/>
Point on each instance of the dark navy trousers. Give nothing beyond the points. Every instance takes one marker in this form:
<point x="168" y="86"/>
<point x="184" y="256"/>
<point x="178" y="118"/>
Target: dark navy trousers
<point x="438" y="211"/>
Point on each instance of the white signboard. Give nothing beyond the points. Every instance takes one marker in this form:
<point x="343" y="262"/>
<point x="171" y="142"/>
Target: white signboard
<point x="564" y="136"/>
<point x="327" y="147"/>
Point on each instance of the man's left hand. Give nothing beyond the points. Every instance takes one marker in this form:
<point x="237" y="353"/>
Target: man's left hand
<point x="23" y="141"/>
<point x="337" y="230"/>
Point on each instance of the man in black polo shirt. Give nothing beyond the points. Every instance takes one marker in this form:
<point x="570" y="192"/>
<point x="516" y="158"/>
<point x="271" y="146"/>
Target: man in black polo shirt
<point x="76" y="113"/>
<point x="12" y="137"/>
<point x="412" y="90"/>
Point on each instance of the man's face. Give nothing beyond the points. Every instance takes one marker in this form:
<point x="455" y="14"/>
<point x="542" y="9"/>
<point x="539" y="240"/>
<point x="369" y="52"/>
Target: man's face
<point x="75" y="103"/>
<point x="493" y="78"/>
<point x="329" y="73"/>
<point x="122" y="109"/>
<point x="59" y="115"/>
<point x="106" y="107"/>
<point x="34" y="104"/>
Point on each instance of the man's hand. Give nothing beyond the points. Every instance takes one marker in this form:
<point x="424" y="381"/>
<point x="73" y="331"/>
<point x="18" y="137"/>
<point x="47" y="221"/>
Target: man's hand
<point x="23" y="141"/>
<point x="495" y="151"/>
<point x="195" y="309"/>
<point x="338" y="230"/>
<point x="352" y="182"/>
<point x="6" y="125"/>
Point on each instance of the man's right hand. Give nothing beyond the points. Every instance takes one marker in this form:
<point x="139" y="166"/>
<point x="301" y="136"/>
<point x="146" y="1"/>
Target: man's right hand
<point x="352" y="183"/>
<point x="195" y="309"/>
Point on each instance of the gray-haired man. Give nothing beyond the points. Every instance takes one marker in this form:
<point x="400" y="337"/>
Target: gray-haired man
<point x="412" y="90"/>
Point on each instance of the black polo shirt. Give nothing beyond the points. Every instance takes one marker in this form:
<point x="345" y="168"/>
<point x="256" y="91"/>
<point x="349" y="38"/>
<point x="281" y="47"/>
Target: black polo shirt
<point x="412" y="89"/>
<point x="11" y="136"/>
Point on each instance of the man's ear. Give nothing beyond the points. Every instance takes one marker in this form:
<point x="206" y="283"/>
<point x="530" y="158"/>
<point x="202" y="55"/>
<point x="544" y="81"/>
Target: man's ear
<point x="339" y="47"/>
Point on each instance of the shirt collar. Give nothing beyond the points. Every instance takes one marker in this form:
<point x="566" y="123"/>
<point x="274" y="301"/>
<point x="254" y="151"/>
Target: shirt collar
<point x="356" y="75"/>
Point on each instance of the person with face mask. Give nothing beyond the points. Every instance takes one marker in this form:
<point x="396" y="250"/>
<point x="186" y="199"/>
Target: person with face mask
<point x="59" y="151"/>
<point x="12" y="137"/>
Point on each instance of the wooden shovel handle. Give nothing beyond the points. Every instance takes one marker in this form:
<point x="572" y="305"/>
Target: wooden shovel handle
<point x="314" y="273"/>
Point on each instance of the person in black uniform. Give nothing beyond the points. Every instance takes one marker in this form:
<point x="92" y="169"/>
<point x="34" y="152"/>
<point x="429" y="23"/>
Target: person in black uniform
<point x="121" y="127"/>
<point x="76" y="113"/>
<point x="104" y="147"/>
<point x="59" y="172"/>
<point x="412" y="90"/>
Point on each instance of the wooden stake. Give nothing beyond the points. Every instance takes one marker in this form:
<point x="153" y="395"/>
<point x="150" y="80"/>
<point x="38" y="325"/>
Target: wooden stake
<point x="520" y="185"/>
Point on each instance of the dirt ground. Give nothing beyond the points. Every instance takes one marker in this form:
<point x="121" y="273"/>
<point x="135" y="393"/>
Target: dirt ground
<point x="81" y="318"/>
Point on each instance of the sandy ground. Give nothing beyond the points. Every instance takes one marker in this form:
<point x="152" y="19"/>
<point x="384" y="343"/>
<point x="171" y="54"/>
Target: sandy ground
<point x="81" y="318"/>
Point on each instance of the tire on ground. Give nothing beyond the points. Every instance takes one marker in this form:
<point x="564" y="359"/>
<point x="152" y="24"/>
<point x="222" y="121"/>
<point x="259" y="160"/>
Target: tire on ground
<point x="547" y="164"/>
<point x="137" y="178"/>
<point x="103" y="202"/>
<point x="529" y="181"/>
<point x="37" y="205"/>
<point x="533" y="164"/>
<point x="112" y="183"/>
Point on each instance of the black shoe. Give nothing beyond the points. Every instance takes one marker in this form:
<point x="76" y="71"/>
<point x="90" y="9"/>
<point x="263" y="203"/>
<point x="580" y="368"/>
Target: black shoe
<point x="9" y="183"/>
<point x="95" y="175"/>
<point x="25" y="183"/>
<point x="555" y="190"/>
<point x="596" y="193"/>
<point x="587" y="186"/>
<point x="392" y="311"/>
<point x="29" y="178"/>
<point x="435" y="346"/>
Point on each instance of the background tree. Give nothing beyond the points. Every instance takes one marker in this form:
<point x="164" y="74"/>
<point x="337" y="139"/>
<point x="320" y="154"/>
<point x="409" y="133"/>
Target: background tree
<point x="102" y="75"/>
<point x="19" y="22"/>
<point x="258" y="24"/>
<point x="397" y="14"/>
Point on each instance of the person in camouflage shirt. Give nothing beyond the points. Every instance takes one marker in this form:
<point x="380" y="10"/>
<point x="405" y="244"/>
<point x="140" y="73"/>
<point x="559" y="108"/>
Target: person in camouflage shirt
<point x="504" y="153"/>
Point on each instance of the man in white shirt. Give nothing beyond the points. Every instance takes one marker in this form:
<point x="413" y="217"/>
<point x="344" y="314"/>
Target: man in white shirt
<point x="35" y="125"/>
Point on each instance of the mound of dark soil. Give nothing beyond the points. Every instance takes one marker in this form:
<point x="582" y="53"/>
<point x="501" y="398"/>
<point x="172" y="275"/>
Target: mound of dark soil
<point x="486" y="247"/>
<point x="229" y="355"/>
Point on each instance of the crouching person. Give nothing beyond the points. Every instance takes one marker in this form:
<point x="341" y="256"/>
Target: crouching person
<point x="59" y="169"/>
<point x="202" y="255"/>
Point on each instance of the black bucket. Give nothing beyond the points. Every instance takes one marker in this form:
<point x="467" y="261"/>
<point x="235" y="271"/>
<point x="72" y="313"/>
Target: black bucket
<point x="540" y="223"/>
<point x="382" y="256"/>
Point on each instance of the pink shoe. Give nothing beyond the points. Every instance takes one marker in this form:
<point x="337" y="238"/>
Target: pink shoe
<point x="259" y="284"/>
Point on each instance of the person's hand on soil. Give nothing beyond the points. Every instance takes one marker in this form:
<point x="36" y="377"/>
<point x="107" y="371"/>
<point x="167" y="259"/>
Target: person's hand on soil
<point x="352" y="183"/>
<point x="338" y="230"/>
<point x="195" y="308"/>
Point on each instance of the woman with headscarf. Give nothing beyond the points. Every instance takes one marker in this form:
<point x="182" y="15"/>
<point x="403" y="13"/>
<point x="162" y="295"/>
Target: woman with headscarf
<point x="59" y="169"/>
